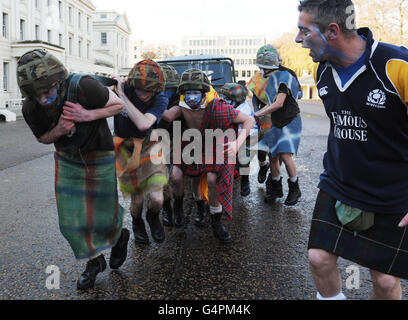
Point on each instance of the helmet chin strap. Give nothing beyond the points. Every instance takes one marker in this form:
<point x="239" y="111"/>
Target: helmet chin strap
<point x="266" y="72"/>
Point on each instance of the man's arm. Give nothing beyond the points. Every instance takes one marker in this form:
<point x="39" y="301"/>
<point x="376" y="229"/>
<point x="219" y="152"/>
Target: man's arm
<point x="77" y="113"/>
<point x="172" y="114"/>
<point x="142" y="121"/>
<point x="280" y="100"/>
<point x="247" y="124"/>
<point x="61" y="129"/>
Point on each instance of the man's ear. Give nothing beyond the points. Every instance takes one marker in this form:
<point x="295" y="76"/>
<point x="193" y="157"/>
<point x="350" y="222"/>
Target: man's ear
<point x="333" y="31"/>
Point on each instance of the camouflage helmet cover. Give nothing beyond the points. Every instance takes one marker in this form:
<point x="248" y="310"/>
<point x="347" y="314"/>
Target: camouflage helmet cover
<point x="38" y="71"/>
<point x="171" y="75"/>
<point x="147" y="75"/>
<point x="194" y="79"/>
<point x="267" y="57"/>
<point x="234" y="92"/>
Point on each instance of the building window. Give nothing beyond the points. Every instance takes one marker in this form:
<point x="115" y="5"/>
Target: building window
<point x="70" y="15"/>
<point x="5" y="75"/>
<point x="60" y="9"/>
<point x="49" y="36"/>
<point x="87" y="24"/>
<point x="79" y="48"/>
<point x="48" y="2"/>
<point x="88" y="51"/>
<point x="60" y="40"/>
<point x="248" y="73"/>
<point x="236" y="73"/>
<point x="104" y="38"/>
<point x="36" y="4"/>
<point x="79" y="20"/>
<point x="70" y="45"/>
<point x="22" y="29"/>
<point x="243" y="73"/>
<point x="103" y="16"/>
<point x="37" y="32"/>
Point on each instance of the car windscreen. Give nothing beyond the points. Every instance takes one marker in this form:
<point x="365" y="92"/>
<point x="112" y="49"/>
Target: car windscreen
<point x="218" y="72"/>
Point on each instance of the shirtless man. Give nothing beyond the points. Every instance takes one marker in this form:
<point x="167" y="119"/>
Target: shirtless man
<point x="217" y="114"/>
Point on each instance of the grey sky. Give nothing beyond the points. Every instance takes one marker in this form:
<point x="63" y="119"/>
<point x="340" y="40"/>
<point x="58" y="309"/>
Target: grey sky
<point x="167" y="21"/>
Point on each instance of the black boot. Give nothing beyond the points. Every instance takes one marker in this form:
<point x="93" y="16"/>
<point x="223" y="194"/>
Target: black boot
<point x="245" y="188"/>
<point x="199" y="220"/>
<point x="139" y="230"/>
<point x="167" y="213"/>
<point x="294" y="193"/>
<point x="273" y="190"/>
<point x="263" y="170"/>
<point x="178" y="211"/>
<point x="156" y="228"/>
<point x="88" y="277"/>
<point x="119" y="251"/>
<point x="219" y="230"/>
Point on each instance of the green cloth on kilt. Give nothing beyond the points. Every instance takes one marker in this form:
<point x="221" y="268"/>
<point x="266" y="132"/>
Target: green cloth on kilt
<point x="90" y="217"/>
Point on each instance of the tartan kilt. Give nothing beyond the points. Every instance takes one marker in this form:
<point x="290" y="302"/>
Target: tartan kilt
<point x="89" y="214"/>
<point x="383" y="248"/>
<point x="138" y="172"/>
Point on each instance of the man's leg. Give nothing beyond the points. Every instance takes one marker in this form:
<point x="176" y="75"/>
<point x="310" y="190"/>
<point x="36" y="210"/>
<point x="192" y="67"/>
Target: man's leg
<point x="119" y="251"/>
<point x="274" y="182"/>
<point x="216" y="209"/>
<point x="385" y="287"/>
<point x="326" y="276"/>
<point x="245" y="187"/>
<point x="293" y="181"/>
<point x="199" y="220"/>
<point x="139" y="229"/>
<point x="154" y="207"/>
<point x="177" y="181"/>
<point x="167" y="206"/>
<point x="88" y="277"/>
<point x="263" y="166"/>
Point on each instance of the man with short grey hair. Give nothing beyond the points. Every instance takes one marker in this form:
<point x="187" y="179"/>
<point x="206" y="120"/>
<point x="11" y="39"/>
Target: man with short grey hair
<point x="361" y="209"/>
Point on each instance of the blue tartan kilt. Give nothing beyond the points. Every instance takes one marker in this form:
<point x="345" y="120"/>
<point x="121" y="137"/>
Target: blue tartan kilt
<point x="383" y="248"/>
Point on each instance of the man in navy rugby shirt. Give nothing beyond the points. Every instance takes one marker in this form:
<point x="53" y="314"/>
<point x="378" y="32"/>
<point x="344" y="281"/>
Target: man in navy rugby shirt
<point x="361" y="209"/>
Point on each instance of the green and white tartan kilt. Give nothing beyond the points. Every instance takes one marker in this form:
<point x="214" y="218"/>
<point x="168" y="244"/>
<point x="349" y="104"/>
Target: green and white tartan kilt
<point x="90" y="217"/>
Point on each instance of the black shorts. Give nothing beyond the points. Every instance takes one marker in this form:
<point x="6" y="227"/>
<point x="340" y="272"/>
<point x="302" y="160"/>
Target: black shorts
<point x="383" y="248"/>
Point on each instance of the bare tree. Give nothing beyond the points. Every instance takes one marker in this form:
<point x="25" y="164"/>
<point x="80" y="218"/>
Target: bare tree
<point x="388" y="19"/>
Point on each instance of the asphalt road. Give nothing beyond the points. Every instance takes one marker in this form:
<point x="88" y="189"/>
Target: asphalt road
<point x="267" y="259"/>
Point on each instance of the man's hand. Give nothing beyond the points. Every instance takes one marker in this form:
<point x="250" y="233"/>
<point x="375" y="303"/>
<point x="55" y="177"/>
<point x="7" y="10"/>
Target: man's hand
<point x="404" y="222"/>
<point x="64" y="126"/>
<point x="75" y="112"/>
<point x="231" y="149"/>
<point x="120" y="87"/>
<point x="257" y="114"/>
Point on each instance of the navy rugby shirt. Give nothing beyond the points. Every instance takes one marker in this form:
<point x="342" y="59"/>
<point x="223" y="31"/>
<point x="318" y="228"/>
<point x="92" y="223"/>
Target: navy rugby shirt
<point x="366" y="163"/>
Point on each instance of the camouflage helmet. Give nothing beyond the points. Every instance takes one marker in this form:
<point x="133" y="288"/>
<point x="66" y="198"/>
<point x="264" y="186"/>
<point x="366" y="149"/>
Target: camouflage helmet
<point x="267" y="57"/>
<point x="194" y="79"/>
<point x="147" y="75"/>
<point x="234" y="92"/>
<point x="38" y="71"/>
<point x="171" y="75"/>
